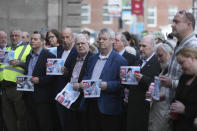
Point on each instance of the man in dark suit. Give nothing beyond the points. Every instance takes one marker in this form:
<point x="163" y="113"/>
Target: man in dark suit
<point x="119" y="47"/>
<point x="65" y="52"/>
<point x="74" y="74"/>
<point x="138" y="107"/>
<point x="104" y="112"/>
<point x="39" y="102"/>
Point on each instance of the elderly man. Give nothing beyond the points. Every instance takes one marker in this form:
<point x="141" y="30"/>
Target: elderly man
<point x="74" y="74"/>
<point x="138" y="107"/>
<point x="158" y="120"/>
<point x="104" y="112"/>
<point x="3" y="43"/>
<point x="182" y="28"/>
<point x="65" y="52"/>
<point x="25" y="37"/>
<point x="12" y="102"/>
<point x="3" y="40"/>
<point x="119" y="47"/>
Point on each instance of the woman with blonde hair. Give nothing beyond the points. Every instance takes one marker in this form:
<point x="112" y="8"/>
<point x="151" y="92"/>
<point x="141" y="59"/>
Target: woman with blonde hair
<point x="184" y="108"/>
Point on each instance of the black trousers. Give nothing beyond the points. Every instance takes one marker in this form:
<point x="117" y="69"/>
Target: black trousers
<point x="40" y="116"/>
<point x="96" y="121"/>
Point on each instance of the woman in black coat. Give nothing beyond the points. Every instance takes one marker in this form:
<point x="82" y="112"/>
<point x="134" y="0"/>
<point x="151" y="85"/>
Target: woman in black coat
<point x="184" y="108"/>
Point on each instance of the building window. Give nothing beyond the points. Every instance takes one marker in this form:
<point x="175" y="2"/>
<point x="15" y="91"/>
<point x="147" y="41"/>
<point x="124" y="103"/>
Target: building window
<point x="85" y="14"/>
<point x="152" y="17"/>
<point x="107" y="19"/>
<point x="171" y="13"/>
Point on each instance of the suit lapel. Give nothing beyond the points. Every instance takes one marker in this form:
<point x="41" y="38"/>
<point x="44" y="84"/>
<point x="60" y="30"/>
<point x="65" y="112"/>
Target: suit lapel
<point x="83" y="69"/>
<point x="39" y="61"/>
<point x="107" y="64"/>
<point x="148" y="64"/>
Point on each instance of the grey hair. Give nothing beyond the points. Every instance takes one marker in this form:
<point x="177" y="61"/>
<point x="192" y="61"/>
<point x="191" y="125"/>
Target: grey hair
<point x="108" y="31"/>
<point x="153" y="40"/>
<point x="17" y="29"/>
<point x="81" y="35"/>
<point x="123" y="37"/>
<point x="28" y="35"/>
<point x="166" y="48"/>
<point x="3" y="32"/>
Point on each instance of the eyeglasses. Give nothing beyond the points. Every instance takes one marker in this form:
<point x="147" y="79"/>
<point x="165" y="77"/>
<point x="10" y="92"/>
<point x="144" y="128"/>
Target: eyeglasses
<point x="49" y="37"/>
<point x="104" y="39"/>
<point x="14" y="35"/>
<point x="82" y="43"/>
<point x="182" y="11"/>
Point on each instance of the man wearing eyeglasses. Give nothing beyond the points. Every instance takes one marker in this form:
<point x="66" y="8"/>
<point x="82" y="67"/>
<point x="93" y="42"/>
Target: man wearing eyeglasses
<point x="104" y="113"/>
<point x="74" y="74"/>
<point x="12" y="102"/>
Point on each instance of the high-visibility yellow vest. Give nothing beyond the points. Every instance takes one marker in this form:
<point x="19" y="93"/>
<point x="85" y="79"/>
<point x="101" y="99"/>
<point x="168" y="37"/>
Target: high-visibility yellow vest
<point x="10" y="72"/>
<point x="1" y="71"/>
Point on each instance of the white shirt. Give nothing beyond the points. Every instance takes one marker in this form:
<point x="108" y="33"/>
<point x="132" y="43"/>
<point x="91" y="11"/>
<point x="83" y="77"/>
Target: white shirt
<point x="122" y="52"/>
<point x="145" y="61"/>
<point x="65" y="55"/>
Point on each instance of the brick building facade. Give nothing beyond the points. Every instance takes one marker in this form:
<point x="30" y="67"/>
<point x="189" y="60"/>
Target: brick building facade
<point x="158" y="14"/>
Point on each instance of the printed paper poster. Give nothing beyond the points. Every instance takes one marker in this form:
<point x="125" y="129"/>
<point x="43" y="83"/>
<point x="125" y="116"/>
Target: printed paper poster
<point x="24" y="83"/>
<point x="127" y="74"/>
<point x="54" y="66"/>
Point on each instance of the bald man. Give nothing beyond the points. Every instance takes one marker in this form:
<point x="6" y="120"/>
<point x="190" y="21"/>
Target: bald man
<point x="138" y="107"/>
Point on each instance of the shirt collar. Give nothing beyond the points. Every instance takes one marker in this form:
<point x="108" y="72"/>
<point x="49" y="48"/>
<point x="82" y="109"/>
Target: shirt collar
<point x="104" y="57"/>
<point x="122" y="52"/>
<point x="146" y="60"/>
<point x="36" y="54"/>
<point x="81" y="58"/>
<point x="19" y="43"/>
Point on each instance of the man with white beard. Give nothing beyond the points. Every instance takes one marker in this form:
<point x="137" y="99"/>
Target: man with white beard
<point x="158" y="118"/>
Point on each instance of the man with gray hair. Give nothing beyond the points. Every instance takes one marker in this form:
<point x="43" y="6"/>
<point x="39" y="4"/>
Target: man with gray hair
<point x="119" y="47"/>
<point x="3" y="40"/>
<point x="25" y="37"/>
<point x="104" y="113"/>
<point x="13" y="106"/>
<point x="158" y="117"/>
<point x="138" y="107"/>
<point x="74" y="74"/>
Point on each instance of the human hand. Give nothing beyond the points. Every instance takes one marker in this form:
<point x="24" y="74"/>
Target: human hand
<point x="177" y="107"/>
<point x="35" y="80"/>
<point x="63" y="69"/>
<point x="14" y="62"/>
<point x="195" y="122"/>
<point x="76" y="86"/>
<point x="166" y="81"/>
<point x="138" y="76"/>
<point x="103" y="85"/>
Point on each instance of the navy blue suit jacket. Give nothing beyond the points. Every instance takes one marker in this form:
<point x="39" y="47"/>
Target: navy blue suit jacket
<point x="110" y="101"/>
<point x="61" y="80"/>
<point x="42" y="90"/>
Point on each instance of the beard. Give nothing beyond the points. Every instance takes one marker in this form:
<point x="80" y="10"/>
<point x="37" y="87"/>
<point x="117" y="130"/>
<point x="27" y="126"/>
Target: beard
<point x="164" y="65"/>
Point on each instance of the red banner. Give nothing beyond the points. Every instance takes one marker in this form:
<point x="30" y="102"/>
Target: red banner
<point x="137" y="7"/>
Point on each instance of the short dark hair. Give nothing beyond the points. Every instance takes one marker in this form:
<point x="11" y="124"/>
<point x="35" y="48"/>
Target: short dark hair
<point x="57" y="35"/>
<point x="38" y="32"/>
<point x="188" y="16"/>
<point x="86" y="32"/>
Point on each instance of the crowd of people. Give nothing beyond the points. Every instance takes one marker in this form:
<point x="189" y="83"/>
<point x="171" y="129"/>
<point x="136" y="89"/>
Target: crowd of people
<point x="120" y="107"/>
